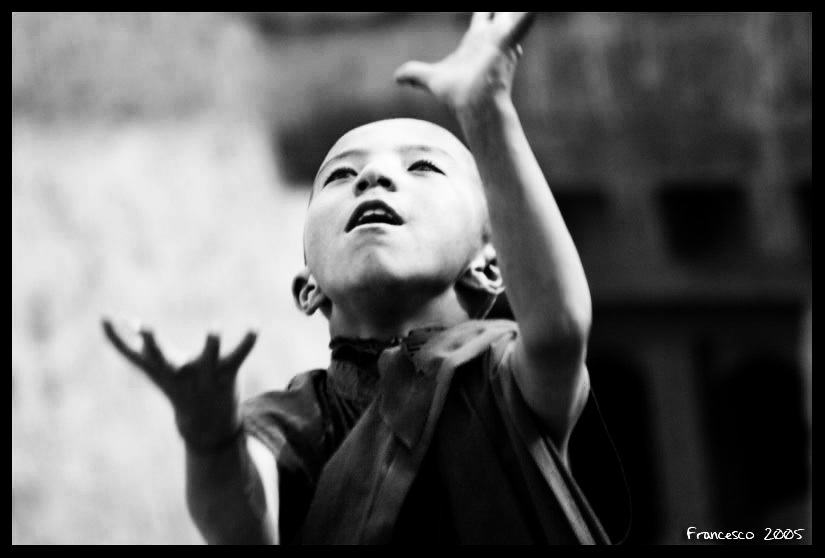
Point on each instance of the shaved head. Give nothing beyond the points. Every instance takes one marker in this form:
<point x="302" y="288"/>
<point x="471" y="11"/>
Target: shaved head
<point x="396" y="204"/>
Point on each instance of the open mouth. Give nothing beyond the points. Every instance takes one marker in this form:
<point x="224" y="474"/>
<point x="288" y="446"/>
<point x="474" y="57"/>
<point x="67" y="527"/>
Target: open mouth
<point x="373" y="212"/>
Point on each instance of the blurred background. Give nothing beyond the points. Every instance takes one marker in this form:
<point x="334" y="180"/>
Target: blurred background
<point x="161" y="165"/>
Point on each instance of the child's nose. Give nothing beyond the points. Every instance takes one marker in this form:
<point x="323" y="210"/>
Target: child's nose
<point x="372" y="177"/>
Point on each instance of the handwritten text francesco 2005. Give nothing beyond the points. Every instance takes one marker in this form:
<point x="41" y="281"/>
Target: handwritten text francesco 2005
<point x="769" y="535"/>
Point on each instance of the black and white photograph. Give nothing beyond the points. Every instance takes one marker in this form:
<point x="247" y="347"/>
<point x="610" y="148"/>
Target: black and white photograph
<point x="412" y="278"/>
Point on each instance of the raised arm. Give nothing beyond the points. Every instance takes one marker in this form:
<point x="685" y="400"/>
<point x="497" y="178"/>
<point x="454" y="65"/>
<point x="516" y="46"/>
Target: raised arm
<point x="545" y="281"/>
<point x="231" y="482"/>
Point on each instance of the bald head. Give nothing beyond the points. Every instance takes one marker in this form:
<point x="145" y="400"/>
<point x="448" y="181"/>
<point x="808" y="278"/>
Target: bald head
<point x="397" y="205"/>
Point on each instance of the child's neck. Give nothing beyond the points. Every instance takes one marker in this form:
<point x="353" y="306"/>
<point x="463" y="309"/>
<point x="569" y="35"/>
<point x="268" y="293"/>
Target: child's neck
<point x="394" y="318"/>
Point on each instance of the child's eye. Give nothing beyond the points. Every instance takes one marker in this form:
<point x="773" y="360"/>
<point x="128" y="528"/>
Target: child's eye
<point x="338" y="174"/>
<point x="426" y="166"/>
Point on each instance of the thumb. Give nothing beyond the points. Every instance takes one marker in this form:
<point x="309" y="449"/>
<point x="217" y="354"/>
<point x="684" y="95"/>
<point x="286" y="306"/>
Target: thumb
<point x="416" y="74"/>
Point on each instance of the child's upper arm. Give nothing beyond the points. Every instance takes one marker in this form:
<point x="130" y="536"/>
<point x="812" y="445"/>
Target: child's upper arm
<point x="264" y="462"/>
<point x="556" y="397"/>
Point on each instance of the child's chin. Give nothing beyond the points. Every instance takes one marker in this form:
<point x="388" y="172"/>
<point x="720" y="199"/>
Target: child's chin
<point x="375" y="275"/>
<point x="379" y="275"/>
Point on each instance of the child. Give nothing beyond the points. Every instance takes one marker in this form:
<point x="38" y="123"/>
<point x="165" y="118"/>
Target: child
<point x="429" y="426"/>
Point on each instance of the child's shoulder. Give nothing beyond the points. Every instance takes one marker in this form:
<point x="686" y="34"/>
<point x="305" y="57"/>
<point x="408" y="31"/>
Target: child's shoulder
<point x="296" y="410"/>
<point x="462" y="342"/>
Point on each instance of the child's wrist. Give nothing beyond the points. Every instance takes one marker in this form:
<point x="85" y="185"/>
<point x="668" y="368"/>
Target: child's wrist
<point x="209" y="441"/>
<point x="212" y="446"/>
<point x="489" y="103"/>
<point x="483" y="111"/>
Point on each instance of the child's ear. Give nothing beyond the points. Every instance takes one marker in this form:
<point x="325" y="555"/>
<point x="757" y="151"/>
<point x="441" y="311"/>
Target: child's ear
<point x="307" y="294"/>
<point x="482" y="282"/>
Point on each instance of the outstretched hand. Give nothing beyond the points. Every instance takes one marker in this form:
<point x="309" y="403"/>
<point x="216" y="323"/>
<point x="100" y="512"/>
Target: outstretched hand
<point x="203" y="391"/>
<point x="483" y="65"/>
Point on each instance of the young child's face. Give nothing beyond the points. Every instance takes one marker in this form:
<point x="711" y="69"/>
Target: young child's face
<point x="395" y="203"/>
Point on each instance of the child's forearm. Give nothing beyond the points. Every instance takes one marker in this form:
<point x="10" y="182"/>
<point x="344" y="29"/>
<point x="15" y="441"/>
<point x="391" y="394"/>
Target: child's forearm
<point x="543" y="274"/>
<point x="226" y="498"/>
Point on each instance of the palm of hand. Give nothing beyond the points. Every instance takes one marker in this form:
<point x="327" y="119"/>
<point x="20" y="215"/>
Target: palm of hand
<point x="203" y="391"/>
<point x="481" y="66"/>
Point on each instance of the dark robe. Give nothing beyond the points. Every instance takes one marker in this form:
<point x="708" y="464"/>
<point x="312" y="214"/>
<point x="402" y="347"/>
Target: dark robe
<point x="429" y="441"/>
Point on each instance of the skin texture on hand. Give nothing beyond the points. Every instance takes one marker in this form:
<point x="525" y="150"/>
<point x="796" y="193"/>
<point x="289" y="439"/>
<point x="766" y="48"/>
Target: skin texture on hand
<point x="203" y="391"/>
<point x="225" y="494"/>
<point x="481" y="67"/>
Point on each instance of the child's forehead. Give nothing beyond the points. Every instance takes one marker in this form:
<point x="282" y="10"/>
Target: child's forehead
<point x="400" y="135"/>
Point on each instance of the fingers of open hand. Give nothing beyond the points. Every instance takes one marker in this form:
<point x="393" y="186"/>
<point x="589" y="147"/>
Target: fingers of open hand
<point x="148" y="358"/>
<point x="415" y="74"/>
<point x="151" y="351"/>
<point x="232" y="362"/>
<point x="510" y="28"/>
<point x="480" y="18"/>
<point x="211" y="351"/>
<point x="518" y="27"/>
<point x="122" y="347"/>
